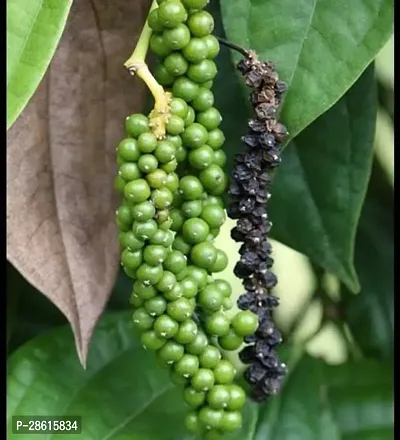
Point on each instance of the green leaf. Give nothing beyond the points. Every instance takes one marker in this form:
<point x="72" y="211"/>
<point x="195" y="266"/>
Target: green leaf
<point x="321" y="184"/>
<point x="320" y="47"/>
<point x="123" y="394"/>
<point x="34" y="28"/>
<point x="370" y="315"/>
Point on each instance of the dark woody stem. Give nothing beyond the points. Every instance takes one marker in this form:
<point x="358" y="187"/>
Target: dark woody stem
<point x="246" y="53"/>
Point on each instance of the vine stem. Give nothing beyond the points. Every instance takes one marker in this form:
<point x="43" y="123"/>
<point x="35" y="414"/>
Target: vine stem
<point x="136" y="65"/>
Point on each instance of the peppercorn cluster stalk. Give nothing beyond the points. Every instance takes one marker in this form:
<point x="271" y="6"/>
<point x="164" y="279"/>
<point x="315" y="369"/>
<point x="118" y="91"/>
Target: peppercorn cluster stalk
<point x="249" y="190"/>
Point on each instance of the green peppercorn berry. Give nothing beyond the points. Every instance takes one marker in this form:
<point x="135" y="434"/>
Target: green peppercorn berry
<point x="190" y="187"/>
<point x="204" y="99"/>
<point x="185" y="88"/>
<point x="131" y="242"/>
<point x="171" y="352"/>
<point x="157" y="179"/>
<point x="219" y="158"/>
<point x="180" y="245"/>
<point x="212" y="434"/>
<point x="230" y="341"/>
<point x="180" y="309"/>
<point x="128" y="149"/>
<point x="190" y="287"/>
<point x="214" y="215"/>
<point x="219" y="396"/>
<point x="137" y="191"/>
<point x="209" y="357"/>
<point x="147" y="163"/>
<point x="167" y="282"/>
<point x="153" y="22"/>
<point x="198" y="345"/>
<point x="155" y="306"/>
<point x="224" y="372"/>
<point x="165" y="151"/>
<point x="170" y="166"/>
<point x="216" y="139"/>
<point x="165" y="326"/>
<point x="213" y="179"/>
<point x="171" y="14"/>
<point x="136" y="301"/>
<point x="187" y="332"/>
<point x="178" y="108"/>
<point x="149" y="274"/>
<point x="142" y="212"/>
<point x="136" y="124"/>
<point x="131" y="260"/>
<point x="210" y="298"/>
<point x="192" y="208"/>
<point x="201" y="157"/>
<point x="224" y="287"/>
<point x="217" y="324"/>
<point x="162" y="198"/>
<point x="245" y="323"/>
<point x="175" y="262"/>
<point x="237" y="397"/>
<point x="195" y="4"/>
<point x="190" y="117"/>
<point x="191" y="422"/>
<point x="210" y="118"/>
<point x="203" y="380"/>
<point x="142" y="319"/>
<point x="198" y="274"/>
<point x="146" y="230"/>
<point x="172" y="182"/>
<point x="187" y="366"/>
<point x="196" y="50"/>
<point x="204" y="254"/>
<point x="195" y="230"/>
<point x="202" y="72"/>
<point x="221" y="262"/>
<point x="152" y="341"/>
<point x="231" y="421"/>
<point x="194" y="136"/>
<point x="175" y="126"/>
<point x="124" y="215"/>
<point x="177" y="379"/>
<point x="129" y="272"/>
<point x="175" y="293"/>
<point x="192" y="397"/>
<point x="157" y="46"/>
<point x="209" y="417"/>
<point x="162" y="75"/>
<point x="176" y="38"/>
<point x="213" y="46"/>
<point x="201" y="23"/>
<point x="154" y="254"/>
<point x="144" y="291"/>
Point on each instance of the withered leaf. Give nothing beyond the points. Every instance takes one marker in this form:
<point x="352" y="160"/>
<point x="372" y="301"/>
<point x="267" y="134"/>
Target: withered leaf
<point x="61" y="203"/>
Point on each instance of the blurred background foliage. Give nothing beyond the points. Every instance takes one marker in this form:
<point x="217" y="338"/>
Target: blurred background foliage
<point x="316" y="309"/>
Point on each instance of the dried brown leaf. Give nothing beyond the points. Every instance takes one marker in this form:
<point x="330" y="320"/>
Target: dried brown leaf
<point x="61" y="163"/>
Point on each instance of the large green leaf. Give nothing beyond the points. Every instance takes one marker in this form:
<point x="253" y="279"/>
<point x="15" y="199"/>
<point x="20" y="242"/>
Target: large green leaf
<point x="320" y="187"/>
<point x="370" y="315"/>
<point x="123" y="394"/>
<point x="320" y="47"/>
<point x="34" y="28"/>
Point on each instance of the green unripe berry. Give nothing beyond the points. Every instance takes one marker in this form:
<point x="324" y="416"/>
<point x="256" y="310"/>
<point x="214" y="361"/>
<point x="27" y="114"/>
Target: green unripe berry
<point x="170" y="166"/>
<point x="137" y="191"/>
<point x="162" y="198"/>
<point x="196" y="50"/>
<point x="157" y="179"/>
<point x="201" y="24"/>
<point x="218" y="397"/>
<point x="153" y="22"/>
<point x="144" y="211"/>
<point x="199" y="275"/>
<point x="195" y="4"/>
<point x="185" y="89"/>
<point x="191" y="422"/>
<point x="180" y="310"/>
<point x="136" y="301"/>
<point x="224" y="287"/>
<point x="187" y="332"/>
<point x="147" y="163"/>
<point x="190" y="188"/>
<point x="201" y="157"/>
<point x="171" y="352"/>
<point x="195" y="230"/>
<point x="149" y="274"/>
<point x="203" y="380"/>
<point x="217" y="324"/>
<point x="230" y="341"/>
<point x="219" y="158"/>
<point x="131" y="242"/>
<point x="172" y="182"/>
<point x="128" y="149"/>
<point x="146" y="230"/>
<point x="165" y="151"/>
<point x="167" y="282"/>
<point x="155" y="306"/>
<point x="204" y="254"/>
<point x="209" y="357"/>
<point x="211" y="298"/>
<point x="171" y="14"/>
<point x="151" y="341"/>
<point x="198" y="345"/>
<point x="157" y="46"/>
<point x="144" y="291"/>
<point x="216" y="139"/>
<point x="131" y="260"/>
<point x="165" y="326"/>
<point x="175" y="293"/>
<point x="231" y="421"/>
<point x="154" y="254"/>
<point x="213" y="179"/>
<point x="204" y="99"/>
<point x="124" y="215"/>
<point x="210" y="118"/>
<point x="224" y="372"/>
<point x="221" y="262"/>
<point x="245" y="323"/>
<point x="190" y="117"/>
<point x="192" y="397"/>
<point x="213" y="215"/>
<point x="192" y="208"/>
<point x="212" y="46"/>
<point x="175" y="126"/>
<point x="178" y="108"/>
<point x="180" y="245"/>
<point x="176" y="38"/>
<point x="147" y="142"/>
<point x="136" y="124"/>
<point x="195" y="136"/>
<point x="202" y="72"/>
<point x="189" y="287"/>
<point x="177" y="379"/>
<point x="187" y="366"/>
<point x="142" y="319"/>
<point x="162" y="76"/>
<point x="175" y="262"/>
<point x="209" y="417"/>
<point x="212" y="434"/>
<point x="237" y="397"/>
